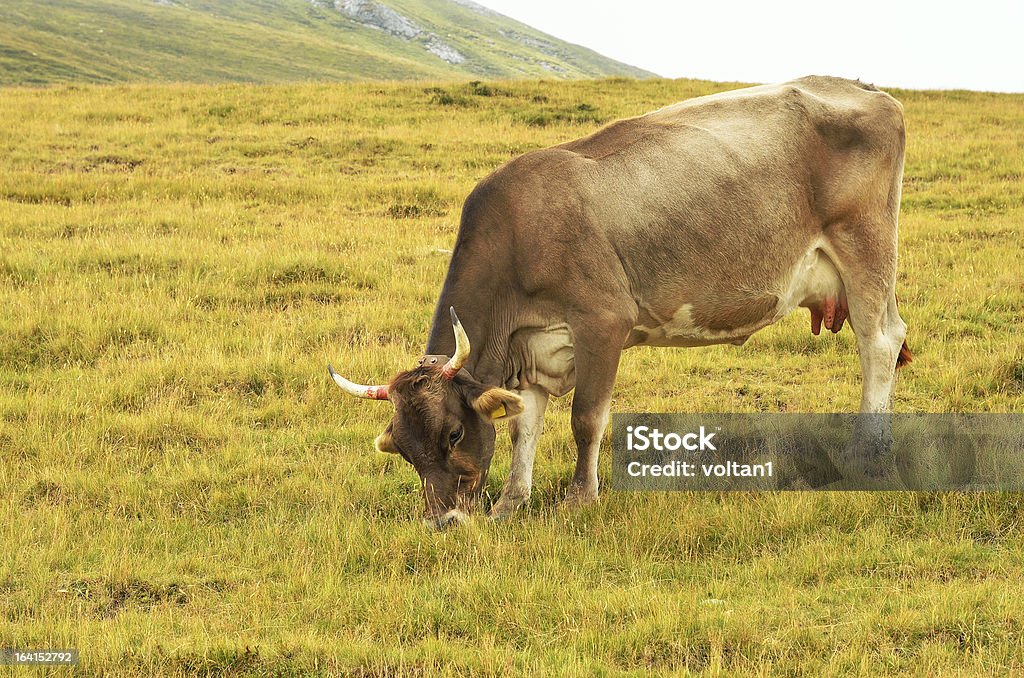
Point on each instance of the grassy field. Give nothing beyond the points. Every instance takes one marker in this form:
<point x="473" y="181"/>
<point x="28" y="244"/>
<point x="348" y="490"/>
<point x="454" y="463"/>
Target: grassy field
<point x="184" y="490"/>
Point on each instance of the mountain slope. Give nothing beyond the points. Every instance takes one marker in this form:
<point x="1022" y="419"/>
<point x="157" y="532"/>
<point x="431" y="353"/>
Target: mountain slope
<point x="278" y="40"/>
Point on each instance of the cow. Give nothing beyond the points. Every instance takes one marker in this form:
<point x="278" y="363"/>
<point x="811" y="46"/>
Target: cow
<point x="699" y="223"/>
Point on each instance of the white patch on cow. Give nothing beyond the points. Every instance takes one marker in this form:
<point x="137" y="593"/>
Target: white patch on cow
<point x="813" y="279"/>
<point x="681" y="331"/>
<point x="543" y="356"/>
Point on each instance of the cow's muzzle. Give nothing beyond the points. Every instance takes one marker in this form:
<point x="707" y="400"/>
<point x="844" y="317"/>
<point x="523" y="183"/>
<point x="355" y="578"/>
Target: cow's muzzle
<point x="453" y="518"/>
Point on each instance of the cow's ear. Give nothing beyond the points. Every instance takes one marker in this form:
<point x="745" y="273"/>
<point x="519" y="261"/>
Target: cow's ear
<point x="385" y="443"/>
<point x="497" y="403"/>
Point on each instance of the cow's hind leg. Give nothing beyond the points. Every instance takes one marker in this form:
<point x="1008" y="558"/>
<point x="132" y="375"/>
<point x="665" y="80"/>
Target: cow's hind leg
<point x="881" y="347"/>
<point x="866" y="259"/>
<point x="525" y="431"/>
<point x="869" y="276"/>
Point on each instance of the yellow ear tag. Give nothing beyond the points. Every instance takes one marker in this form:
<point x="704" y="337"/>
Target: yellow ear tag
<point x="499" y="413"/>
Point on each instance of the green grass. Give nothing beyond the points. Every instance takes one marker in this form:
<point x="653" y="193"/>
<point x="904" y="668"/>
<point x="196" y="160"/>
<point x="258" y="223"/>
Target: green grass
<point x="184" y="490"/>
<point x="270" y="41"/>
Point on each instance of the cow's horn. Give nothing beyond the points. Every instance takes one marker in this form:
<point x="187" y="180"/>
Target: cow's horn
<point x="358" y="390"/>
<point x="458" y="359"/>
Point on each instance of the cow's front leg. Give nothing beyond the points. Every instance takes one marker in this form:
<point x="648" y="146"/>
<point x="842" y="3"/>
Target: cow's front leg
<point x="597" y="350"/>
<point x="525" y="431"/>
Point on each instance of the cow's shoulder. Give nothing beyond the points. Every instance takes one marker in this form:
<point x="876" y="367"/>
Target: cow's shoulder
<point x="531" y="180"/>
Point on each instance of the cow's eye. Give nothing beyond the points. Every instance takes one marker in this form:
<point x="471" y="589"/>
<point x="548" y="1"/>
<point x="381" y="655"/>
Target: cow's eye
<point x="455" y="436"/>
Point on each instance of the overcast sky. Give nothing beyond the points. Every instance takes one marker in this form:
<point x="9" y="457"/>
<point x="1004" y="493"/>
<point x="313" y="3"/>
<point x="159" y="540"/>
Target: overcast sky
<point x="970" y="44"/>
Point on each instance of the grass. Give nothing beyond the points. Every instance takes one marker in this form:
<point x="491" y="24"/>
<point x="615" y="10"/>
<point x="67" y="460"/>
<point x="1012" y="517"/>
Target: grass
<point x="185" y="491"/>
<point x="271" y="41"/>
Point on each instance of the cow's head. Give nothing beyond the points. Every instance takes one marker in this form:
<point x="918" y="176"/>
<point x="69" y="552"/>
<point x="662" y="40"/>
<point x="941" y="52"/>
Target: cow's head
<point x="443" y="426"/>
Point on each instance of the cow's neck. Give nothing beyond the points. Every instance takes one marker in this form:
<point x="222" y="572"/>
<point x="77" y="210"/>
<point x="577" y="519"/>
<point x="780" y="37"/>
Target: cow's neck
<point x="477" y="307"/>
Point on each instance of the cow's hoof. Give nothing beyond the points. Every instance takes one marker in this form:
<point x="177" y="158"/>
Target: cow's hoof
<point x="579" y="496"/>
<point x="506" y="506"/>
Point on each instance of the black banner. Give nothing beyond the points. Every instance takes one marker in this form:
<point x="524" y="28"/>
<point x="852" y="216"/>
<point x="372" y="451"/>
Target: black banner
<point x="743" y="452"/>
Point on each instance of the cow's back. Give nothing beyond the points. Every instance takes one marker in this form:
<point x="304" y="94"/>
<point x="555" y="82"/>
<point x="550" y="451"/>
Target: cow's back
<point x="843" y="112"/>
<point x="678" y="205"/>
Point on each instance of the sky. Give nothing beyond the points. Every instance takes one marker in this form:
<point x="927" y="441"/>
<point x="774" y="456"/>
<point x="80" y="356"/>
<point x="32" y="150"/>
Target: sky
<point x="972" y="44"/>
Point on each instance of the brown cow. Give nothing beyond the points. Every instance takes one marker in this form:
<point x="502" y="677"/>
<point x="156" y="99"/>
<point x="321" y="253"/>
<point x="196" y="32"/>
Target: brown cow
<point x="697" y="224"/>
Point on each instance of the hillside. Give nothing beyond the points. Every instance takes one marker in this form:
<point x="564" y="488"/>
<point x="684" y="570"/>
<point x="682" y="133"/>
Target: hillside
<point x="278" y="41"/>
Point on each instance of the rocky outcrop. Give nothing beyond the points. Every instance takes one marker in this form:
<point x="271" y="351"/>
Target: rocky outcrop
<point x="443" y="51"/>
<point x="381" y="17"/>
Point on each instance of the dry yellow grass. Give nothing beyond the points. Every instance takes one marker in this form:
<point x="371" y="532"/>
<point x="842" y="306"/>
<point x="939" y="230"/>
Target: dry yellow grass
<point x="184" y="490"/>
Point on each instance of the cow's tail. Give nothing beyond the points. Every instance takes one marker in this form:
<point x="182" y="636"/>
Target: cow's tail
<point x="905" y="357"/>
